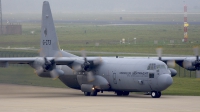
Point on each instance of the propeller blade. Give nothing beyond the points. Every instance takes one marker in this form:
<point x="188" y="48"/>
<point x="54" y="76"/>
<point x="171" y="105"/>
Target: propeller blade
<point x="171" y="63"/>
<point x="77" y="68"/>
<point x="83" y="53"/>
<point x="39" y="61"/>
<point x="39" y="70"/>
<point x="187" y="64"/>
<point x="42" y="54"/>
<point x="196" y="51"/>
<point x="97" y="61"/>
<point x="159" y="52"/>
<point x="90" y="77"/>
<point x="38" y="65"/>
<point x="197" y="74"/>
<point x="57" y="55"/>
<point x="55" y="73"/>
<point x="52" y="62"/>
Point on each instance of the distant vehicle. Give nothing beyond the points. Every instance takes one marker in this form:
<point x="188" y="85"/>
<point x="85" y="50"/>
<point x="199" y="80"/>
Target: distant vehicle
<point x="93" y="74"/>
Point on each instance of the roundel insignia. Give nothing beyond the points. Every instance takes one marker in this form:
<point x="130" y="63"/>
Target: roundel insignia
<point x="45" y="32"/>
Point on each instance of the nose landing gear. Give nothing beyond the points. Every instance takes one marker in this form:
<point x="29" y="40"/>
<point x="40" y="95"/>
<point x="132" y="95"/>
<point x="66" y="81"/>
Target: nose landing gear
<point x="156" y="94"/>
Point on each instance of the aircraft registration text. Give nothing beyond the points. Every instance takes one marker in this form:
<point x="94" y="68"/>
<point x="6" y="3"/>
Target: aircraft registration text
<point x="135" y="74"/>
<point x="46" y="42"/>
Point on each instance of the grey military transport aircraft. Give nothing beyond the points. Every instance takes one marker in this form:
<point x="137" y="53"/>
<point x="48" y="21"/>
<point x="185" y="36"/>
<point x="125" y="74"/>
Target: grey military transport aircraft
<point x="93" y="74"/>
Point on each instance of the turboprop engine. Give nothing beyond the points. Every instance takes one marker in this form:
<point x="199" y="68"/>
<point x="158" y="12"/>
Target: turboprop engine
<point x="46" y="68"/>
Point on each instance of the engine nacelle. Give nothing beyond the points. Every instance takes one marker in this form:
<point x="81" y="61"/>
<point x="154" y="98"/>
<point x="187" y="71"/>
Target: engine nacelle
<point x="99" y="83"/>
<point x="46" y="68"/>
<point x="187" y="63"/>
<point x="173" y="72"/>
<point x="87" y="88"/>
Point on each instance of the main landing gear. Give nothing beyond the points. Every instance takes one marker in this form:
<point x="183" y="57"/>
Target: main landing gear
<point x="156" y="94"/>
<point x="122" y="93"/>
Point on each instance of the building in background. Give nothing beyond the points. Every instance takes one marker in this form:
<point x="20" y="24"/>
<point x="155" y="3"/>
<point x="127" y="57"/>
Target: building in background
<point x="11" y="30"/>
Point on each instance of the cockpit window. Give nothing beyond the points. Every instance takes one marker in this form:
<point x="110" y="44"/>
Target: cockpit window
<point x="152" y="66"/>
<point x="161" y="67"/>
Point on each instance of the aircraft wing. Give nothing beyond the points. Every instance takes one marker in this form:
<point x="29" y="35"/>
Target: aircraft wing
<point x="69" y="60"/>
<point x="163" y="58"/>
<point x="29" y="60"/>
<point x="18" y="60"/>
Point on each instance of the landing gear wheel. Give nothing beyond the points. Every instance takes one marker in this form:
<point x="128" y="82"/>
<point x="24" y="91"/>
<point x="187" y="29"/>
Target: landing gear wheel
<point x="155" y="94"/>
<point x="87" y="93"/>
<point x="94" y="93"/>
<point x="125" y="93"/>
<point x="159" y="94"/>
<point x="119" y="93"/>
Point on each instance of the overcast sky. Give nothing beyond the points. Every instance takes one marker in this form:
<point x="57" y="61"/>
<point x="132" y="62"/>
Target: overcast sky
<point x="28" y="6"/>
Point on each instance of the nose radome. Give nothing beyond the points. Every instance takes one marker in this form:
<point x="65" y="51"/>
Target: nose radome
<point x="164" y="81"/>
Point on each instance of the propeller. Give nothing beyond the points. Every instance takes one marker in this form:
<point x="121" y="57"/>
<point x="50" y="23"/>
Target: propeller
<point x="187" y="64"/>
<point x="159" y="53"/>
<point x="170" y="63"/>
<point x="86" y="64"/>
<point x="86" y="67"/>
<point x="193" y="64"/>
<point x="45" y="65"/>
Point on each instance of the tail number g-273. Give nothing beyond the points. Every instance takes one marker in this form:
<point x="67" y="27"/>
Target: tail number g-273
<point x="46" y="42"/>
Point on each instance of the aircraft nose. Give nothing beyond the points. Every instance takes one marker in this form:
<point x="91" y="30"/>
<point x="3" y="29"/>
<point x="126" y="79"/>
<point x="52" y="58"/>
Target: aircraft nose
<point x="164" y="81"/>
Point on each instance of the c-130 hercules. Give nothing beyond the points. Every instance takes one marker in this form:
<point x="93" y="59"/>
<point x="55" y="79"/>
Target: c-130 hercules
<point x="93" y="74"/>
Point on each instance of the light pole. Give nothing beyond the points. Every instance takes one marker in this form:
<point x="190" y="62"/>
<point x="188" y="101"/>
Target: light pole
<point x="1" y="18"/>
<point x="135" y="40"/>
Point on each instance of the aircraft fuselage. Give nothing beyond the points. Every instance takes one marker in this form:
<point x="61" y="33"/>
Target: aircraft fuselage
<point x="133" y="75"/>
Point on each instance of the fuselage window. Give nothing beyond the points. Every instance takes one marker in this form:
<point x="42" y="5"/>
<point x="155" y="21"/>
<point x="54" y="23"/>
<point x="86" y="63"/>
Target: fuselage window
<point x="151" y="75"/>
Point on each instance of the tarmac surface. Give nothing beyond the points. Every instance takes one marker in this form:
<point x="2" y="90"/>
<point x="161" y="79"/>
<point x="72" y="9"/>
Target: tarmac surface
<point x="20" y="98"/>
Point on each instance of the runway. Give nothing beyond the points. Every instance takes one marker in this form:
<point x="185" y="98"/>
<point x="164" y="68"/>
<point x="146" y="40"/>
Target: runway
<point x="20" y="98"/>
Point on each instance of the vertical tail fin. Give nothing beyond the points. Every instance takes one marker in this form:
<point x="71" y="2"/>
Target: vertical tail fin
<point x="49" y="45"/>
